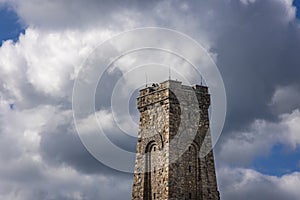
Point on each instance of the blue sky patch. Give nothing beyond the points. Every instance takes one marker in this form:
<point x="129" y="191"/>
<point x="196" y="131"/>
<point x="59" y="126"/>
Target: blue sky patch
<point x="281" y="161"/>
<point x="297" y="4"/>
<point x="10" y="26"/>
<point x="11" y="106"/>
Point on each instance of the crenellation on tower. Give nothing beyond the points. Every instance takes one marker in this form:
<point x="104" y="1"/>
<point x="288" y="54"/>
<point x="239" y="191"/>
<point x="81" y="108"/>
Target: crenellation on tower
<point x="174" y="127"/>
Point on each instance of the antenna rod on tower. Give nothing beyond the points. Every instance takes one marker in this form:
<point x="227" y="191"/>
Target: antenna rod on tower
<point x="201" y="80"/>
<point x="169" y="72"/>
<point x="146" y="80"/>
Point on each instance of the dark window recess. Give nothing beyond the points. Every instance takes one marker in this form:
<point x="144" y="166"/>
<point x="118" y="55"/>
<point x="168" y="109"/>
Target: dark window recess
<point x="190" y="168"/>
<point x="190" y="195"/>
<point x="154" y="195"/>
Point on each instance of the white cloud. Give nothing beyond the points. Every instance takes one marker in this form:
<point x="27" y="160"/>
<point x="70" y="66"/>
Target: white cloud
<point x="291" y="134"/>
<point x="21" y="129"/>
<point x="37" y="74"/>
<point x="89" y="125"/>
<point x="247" y="2"/>
<point x="27" y="175"/>
<point x="290" y="9"/>
<point x="248" y="184"/>
<point x="285" y="99"/>
<point x="259" y="139"/>
<point x="46" y="60"/>
<point x="59" y="183"/>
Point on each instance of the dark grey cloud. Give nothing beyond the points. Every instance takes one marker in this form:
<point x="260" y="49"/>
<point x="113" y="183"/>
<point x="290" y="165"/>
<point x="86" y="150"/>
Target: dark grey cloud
<point x="256" y="44"/>
<point x="256" y="51"/>
<point x="63" y="146"/>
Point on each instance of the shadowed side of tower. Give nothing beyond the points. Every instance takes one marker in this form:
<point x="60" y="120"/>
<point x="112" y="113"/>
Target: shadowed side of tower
<point x="170" y="160"/>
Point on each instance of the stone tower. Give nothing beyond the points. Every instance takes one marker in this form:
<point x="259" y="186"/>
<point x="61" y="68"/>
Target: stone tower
<point x="174" y="156"/>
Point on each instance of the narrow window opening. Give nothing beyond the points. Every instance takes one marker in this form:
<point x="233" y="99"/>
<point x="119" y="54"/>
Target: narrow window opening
<point x="190" y="195"/>
<point x="190" y="168"/>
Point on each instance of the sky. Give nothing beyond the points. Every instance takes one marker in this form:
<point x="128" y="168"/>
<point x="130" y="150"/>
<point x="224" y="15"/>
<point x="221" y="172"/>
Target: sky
<point x="254" y="43"/>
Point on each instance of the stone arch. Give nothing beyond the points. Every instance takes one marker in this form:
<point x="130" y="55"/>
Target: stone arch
<point x="156" y="139"/>
<point x="150" y="145"/>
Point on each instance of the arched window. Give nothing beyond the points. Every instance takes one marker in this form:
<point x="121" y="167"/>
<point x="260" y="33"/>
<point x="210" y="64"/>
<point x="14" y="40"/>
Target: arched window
<point x="148" y="193"/>
<point x="191" y="158"/>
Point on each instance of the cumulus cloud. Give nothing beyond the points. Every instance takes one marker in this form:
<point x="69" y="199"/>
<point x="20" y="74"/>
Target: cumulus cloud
<point x="247" y="2"/>
<point x="285" y="99"/>
<point x="248" y="184"/>
<point x="45" y="161"/>
<point x="45" y="62"/>
<point x="254" y="42"/>
<point x="261" y="136"/>
<point x="20" y="129"/>
<point x="60" y="183"/>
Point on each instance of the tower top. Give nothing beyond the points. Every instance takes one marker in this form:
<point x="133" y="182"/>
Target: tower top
<point x="171" y="84"/>
<point x="160" y="92"/>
